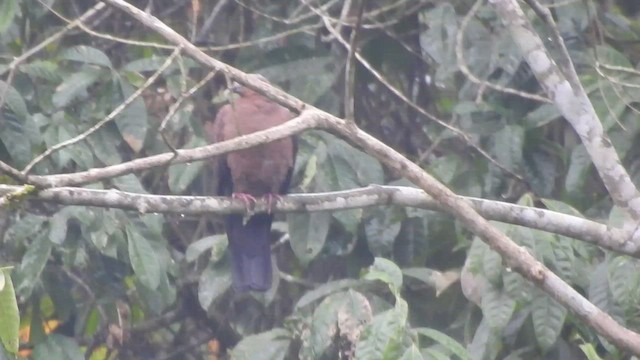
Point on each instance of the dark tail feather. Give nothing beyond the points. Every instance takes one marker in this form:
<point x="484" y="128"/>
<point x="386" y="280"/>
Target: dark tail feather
<point x="250" y="247"/>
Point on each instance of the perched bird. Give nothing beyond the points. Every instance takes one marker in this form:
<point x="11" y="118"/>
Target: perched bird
<point x="261" y="171"/>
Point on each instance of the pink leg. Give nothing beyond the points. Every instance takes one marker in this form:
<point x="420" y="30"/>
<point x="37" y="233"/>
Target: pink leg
<point x="272" y="199"/>
<point x="248" y="199"/>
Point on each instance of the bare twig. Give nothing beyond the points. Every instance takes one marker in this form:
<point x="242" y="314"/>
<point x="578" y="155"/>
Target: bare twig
<point x="350" y="70"/>
<point x="183" y="155"/>
<point x="208" y="23"/>
<point x="462" y="63"/>
<point x="20" y="59"/>
<point x="461" y="134"/>
<point x="176" y="105"/>
<point x="107" y="119"/>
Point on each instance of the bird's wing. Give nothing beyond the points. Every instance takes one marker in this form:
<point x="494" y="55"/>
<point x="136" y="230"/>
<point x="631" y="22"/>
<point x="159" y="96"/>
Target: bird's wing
<point x="286" y="184"/>
<point x="215" y="134"/>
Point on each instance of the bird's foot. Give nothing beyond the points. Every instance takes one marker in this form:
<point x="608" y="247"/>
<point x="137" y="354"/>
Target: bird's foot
<point x="272" y="200"/>
<point x="248" y="200"/>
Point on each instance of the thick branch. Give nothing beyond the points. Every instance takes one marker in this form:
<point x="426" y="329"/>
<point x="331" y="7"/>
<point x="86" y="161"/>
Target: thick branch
<point x="308" y="119"/>
<point x="571" y="99"/>
<point x="514" y="256"/>
<point x="375" y="195"/>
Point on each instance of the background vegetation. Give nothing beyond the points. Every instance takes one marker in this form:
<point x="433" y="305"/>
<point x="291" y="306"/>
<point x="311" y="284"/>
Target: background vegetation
<point x="378" y="282"/>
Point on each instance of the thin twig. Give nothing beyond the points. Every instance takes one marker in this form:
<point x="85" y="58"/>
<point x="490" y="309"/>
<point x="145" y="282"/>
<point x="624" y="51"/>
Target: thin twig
<point x="107" y="119"/>
<point x="20" y="59"/>
<point x="462" y="63"/>
<point x="350" y="70"/>
<point x="176" y="105"/>
<point x="208" y="23"/>
<point x="461" y="134"/>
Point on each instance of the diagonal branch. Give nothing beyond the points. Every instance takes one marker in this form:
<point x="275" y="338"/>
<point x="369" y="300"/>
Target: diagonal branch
<point x="567" y="93"/>
<point x="515" y="257"/>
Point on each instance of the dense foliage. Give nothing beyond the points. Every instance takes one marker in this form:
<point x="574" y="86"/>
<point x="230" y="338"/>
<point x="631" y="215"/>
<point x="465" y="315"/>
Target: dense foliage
<point x="381" y="282"/>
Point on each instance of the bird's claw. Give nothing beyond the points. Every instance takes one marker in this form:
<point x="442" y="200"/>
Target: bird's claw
<point x="272" y="200"/>
<point x="248" y="200"/>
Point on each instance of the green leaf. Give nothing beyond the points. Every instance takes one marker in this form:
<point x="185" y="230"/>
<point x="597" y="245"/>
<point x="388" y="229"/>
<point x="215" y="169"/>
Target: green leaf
<point x="508" y="144"/>
<point x="386" y="271"/>
<point x="599" y="292"/>
<point x="75" y="86"/>
<point x="412" y="353"/>
<point x="182" y="175"/>
<point x="353" y="315"/>
<point x="214" y="281"/>
<point x="486" y="343"/>
<point x="435" y="354"/>
<point x="541" y="116"/>
<point x="492" y="266"/>
<point x="548" y="319"/>
<point x="444" y="168"/>
<point x="308" y="76"/>
<point x="308" y="233"/>
<point x="25" y="228"/>
<point x="382" y="338"/>
<point x="157" y="300"/>
<point x="382" y="229"/>
<point x="129" y="183"/>
<point x="324" y="328"/>
<point x="344" y="167"/>
<point x="559" y="206"/>
<point x="143" y="259"/>
<point x="145" y="64"/>
<point x="58" y="227"/>
<point x="58" y="347"/>
<point x="269" y="345"/>
<point x="579" y="166"/>
<point x="105" y="145"/>
<point x="497" y="307"/>
<point x="14" y="100"/>
<point x="325" y="290"/>
<point x="43" y="69"/>
<point x="446" y="341"/>
<point x="590" y="351"/>
<point x="33" y="262"/>
<point x="516" y="286"/>
<point x="624" y="281"/>
<point x="439" y="281"/>
<point x="132" y="121"/>
<point x="86" y="54"/>
<point x="9" y="314"/>
<point x="218" y="244"/>
<point x="541" y="171"/>
<point x="8" y="9"/>
<point x="15" y="140"/>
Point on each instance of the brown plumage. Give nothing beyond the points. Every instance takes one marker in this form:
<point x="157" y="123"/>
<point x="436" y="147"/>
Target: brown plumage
<point x="258" y="171"/>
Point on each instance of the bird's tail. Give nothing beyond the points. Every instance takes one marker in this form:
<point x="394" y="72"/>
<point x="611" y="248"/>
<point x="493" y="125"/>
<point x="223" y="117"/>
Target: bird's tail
<point x="250" y="248"/>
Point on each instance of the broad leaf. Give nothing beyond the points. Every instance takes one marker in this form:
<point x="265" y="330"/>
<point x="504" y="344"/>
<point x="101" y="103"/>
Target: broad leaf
<point x="270" y="345"/>
<point x="308" y="234"/>
<point x="143" y="259"/>
<point x="9" y="313"/>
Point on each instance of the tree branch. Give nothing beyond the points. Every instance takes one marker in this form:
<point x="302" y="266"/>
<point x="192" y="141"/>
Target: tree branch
<point x="375" y="195"/>
<point x="570" y="98"/>
<point x="515" y="257"/>
<point x="307" y="120"/>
